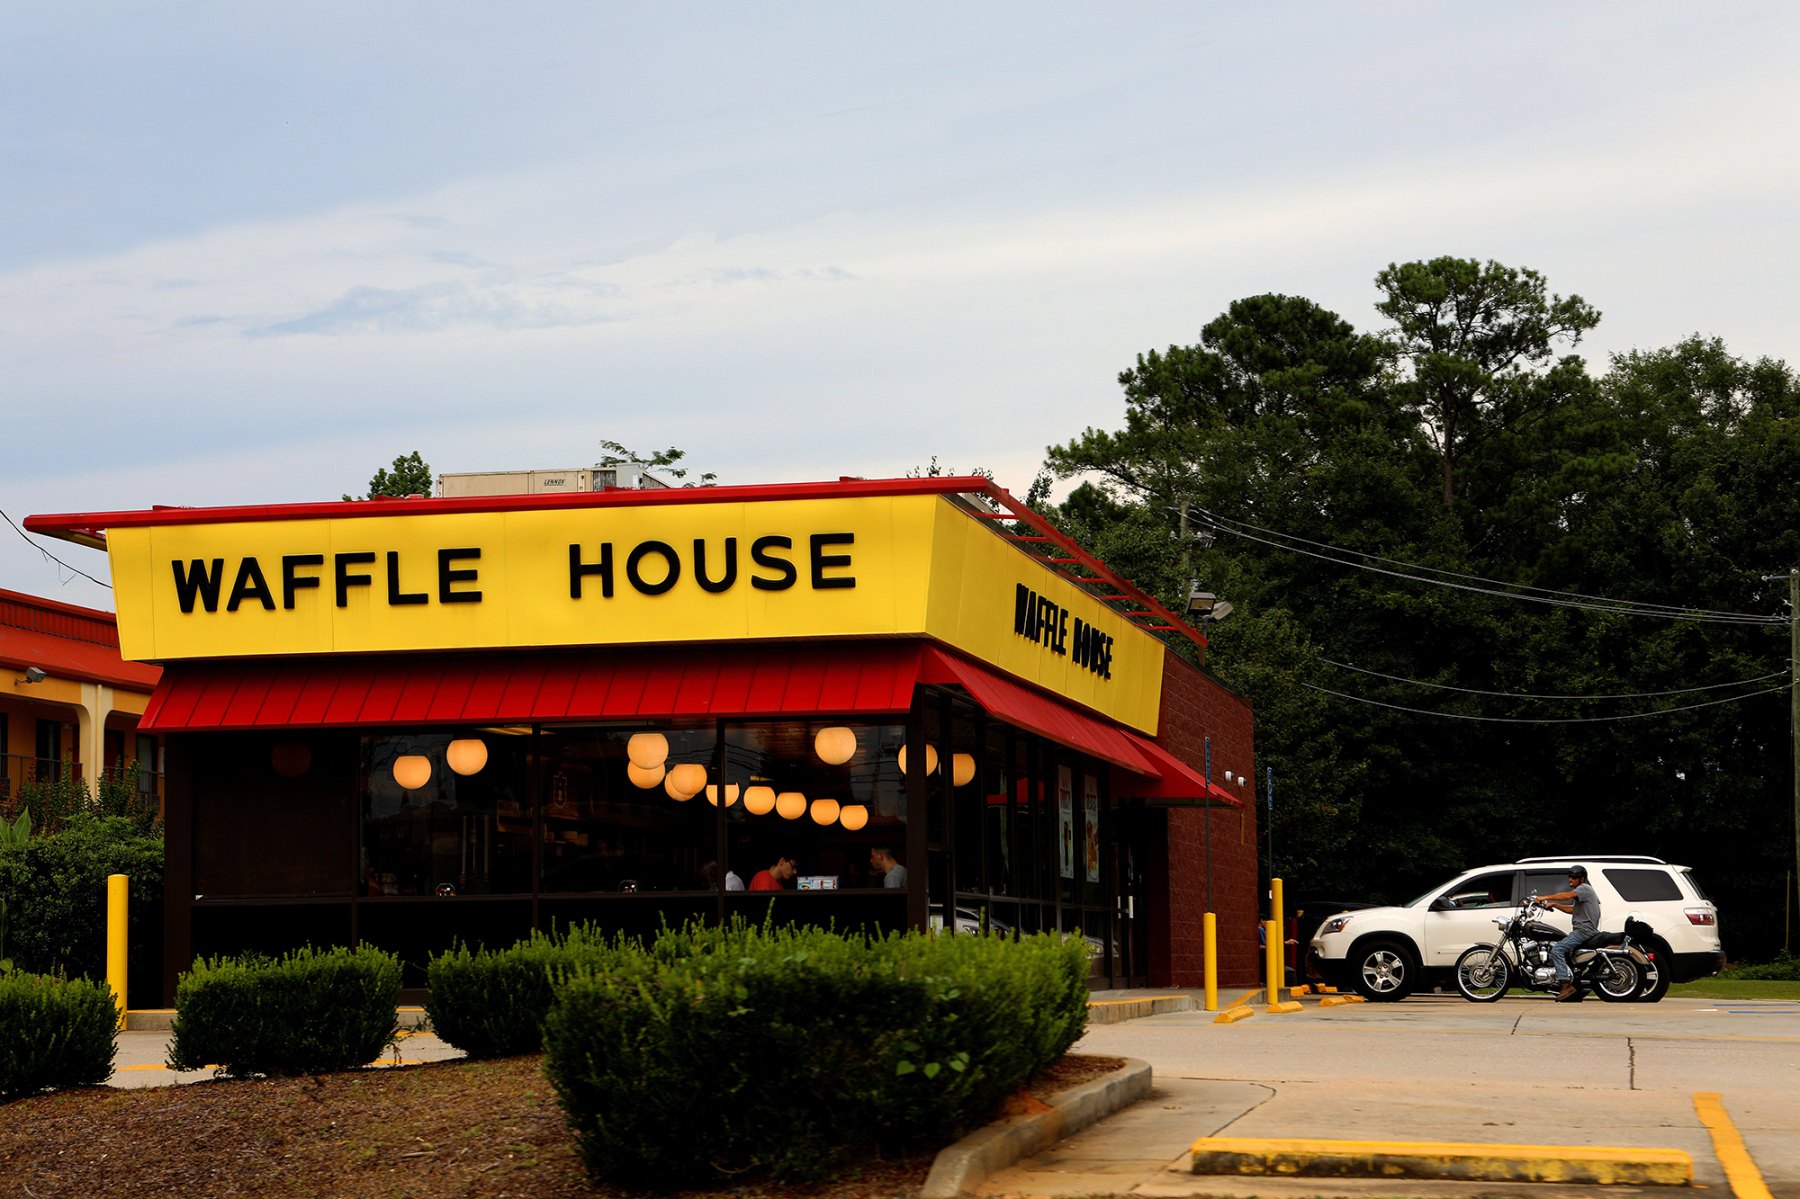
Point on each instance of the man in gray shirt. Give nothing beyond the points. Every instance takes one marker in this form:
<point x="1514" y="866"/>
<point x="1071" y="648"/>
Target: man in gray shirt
<point x="893" y="874"/>
<point x="1583" y="907"/>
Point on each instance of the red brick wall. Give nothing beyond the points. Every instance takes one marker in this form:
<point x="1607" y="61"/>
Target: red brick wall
<point x="1194" y="709"/>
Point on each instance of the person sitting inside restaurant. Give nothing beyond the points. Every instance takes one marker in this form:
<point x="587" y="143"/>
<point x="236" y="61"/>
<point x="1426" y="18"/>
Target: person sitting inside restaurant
<point x="893" y="874"/>
<point x="776" y="877"/>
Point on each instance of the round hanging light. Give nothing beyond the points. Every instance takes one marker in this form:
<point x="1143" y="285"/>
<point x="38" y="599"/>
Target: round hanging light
<point x="290" y="759"/>
<point x="962" y="769"/>
<point x="759" y="799"/>
<point x="731" y="794"/>
<point x="685" y="781"/>
<point x="466" y="755"/>
<point x="647" y="749"/>
<point x="824" y="811"/>
<point x="853" y="816"/>
<point x="931" y="759"/>
<point x="644" y="778"/>
<point x="790" y="805"/>
<point x="412" y="771"/>
<point x="835" y="745"/>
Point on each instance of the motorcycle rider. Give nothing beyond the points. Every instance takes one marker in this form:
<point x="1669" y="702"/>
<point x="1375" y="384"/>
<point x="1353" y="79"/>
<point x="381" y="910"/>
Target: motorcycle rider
<point x="1583" y="906"/>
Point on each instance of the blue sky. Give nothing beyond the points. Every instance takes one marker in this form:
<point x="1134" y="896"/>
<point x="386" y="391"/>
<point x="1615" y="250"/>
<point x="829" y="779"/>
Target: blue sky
<point x="251" y="252"/>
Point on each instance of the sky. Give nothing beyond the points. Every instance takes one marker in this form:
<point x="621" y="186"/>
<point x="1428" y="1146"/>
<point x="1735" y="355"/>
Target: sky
<point x="250" y="252"/>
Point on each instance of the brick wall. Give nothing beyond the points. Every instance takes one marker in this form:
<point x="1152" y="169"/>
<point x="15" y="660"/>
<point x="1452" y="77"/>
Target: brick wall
<point x="1194" y="709"/>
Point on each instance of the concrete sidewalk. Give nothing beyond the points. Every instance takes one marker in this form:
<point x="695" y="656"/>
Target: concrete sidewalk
<point x="1436" y="1069"/>
<point x="142" y="1052"/>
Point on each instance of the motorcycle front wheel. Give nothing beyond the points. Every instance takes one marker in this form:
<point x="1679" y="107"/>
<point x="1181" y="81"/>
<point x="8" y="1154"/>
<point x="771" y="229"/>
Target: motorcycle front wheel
<point x="1483" y="974"/>
<point x="1617" y="979"/>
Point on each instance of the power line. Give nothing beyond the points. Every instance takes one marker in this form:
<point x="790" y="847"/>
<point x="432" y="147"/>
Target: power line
<point x="1424" y="574"/>
<point x="23" y="536"/>
<point x="1375" y="703"/>
<point x="1565" y="696"/>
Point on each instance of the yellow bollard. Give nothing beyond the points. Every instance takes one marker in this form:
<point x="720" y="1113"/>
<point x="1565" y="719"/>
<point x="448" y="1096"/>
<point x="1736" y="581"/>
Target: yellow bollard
<point x="118" y="891"/>
<point x="1210" y="943"/>
<point x="1272" y="974"/>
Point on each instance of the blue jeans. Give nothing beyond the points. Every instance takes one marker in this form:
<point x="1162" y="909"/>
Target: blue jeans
<point x="1559" y="953"/>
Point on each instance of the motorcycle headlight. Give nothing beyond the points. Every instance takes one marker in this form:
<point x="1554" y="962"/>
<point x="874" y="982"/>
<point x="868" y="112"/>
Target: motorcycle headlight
<point x="1334" y="925"/>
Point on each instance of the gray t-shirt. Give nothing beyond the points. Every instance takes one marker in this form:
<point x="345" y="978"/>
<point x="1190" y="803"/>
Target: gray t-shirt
<point x="1586" y="915"/>
<point x="895" y="877"/>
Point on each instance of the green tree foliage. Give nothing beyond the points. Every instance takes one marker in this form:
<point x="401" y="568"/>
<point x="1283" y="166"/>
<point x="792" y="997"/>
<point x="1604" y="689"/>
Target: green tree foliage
<point x="1466" y="440"/>
<point x="663" y="460"/>
<point x="411" y="475"/>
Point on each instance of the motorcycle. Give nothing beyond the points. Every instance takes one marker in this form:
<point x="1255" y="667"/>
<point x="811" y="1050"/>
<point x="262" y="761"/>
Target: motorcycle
<point x="1613" y="965"/>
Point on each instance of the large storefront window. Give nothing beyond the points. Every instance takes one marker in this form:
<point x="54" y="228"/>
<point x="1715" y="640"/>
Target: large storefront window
<point x="445" y="814"/>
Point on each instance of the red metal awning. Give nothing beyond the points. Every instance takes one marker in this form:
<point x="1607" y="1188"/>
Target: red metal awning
<point x="859" y="678"/>
<point x="839" y="678"/>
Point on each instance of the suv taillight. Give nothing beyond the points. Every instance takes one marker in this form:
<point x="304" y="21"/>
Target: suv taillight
<point x="1700" y="915"/>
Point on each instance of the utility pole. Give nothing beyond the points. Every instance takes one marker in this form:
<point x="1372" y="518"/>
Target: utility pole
<point x="1793" y="692"/>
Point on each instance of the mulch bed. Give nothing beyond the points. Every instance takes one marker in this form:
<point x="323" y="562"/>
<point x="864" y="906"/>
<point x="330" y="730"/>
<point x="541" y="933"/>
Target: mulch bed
<point x="437" y="1131"/>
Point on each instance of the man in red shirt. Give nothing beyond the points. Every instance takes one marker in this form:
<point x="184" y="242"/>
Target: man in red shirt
<point x="775" y="878"/>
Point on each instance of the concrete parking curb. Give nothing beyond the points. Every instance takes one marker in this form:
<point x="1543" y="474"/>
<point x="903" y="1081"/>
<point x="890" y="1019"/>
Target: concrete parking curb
<point x="963" y="1165"/>
<point x="1447" y="1161"/>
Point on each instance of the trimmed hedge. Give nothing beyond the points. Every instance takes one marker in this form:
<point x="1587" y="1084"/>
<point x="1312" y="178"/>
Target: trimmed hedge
<point x="311" y="1011"/>
<point x="720" y="1054"/>
<point x="492" y="1003"/>
<point x="54" y="1033"/>
<point x="1784" y="968"/>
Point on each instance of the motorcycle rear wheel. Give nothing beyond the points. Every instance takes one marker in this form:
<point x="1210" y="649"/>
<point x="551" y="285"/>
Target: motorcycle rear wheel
<point x="1483" y="975"/>
<point x="1617" y="980"/>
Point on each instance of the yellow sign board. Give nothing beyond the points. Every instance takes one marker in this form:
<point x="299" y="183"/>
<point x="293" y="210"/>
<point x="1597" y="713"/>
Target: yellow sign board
<point x="878" y="566"/>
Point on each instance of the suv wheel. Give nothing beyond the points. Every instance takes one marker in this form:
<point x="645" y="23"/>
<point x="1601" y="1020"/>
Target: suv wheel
<point x="1656" y="974"/>
<point x="1384" y="971"/>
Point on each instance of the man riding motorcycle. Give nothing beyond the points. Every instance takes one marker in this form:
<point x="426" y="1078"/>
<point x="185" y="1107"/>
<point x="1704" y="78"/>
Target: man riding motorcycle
<point x="1583" y="907"/>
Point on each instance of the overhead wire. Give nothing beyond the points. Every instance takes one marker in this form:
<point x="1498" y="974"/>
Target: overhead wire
<point x="1495" y="587"/>
<point x="75" y="570"/>
<point x="1564" y="696"/>
<point x="1375" y="703"/>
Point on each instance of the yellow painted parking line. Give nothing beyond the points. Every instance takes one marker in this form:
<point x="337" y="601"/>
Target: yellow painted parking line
<point x="1442" y="1160"/>
<point x="1740" y="1169"/>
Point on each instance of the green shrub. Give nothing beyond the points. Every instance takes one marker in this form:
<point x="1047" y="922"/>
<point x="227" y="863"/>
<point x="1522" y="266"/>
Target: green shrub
<point x="54" y="1033"/>
<point x="781" y="1052"/>
<point x="1785" y="968"/>
<point x="54" y="885"/>
<point x="308" y="1012"/>
<point x="492" y="1003"/>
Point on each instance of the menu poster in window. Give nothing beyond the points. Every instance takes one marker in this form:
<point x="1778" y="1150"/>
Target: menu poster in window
<point x="1065" y="820"/>
<point x="1090" y="803"/>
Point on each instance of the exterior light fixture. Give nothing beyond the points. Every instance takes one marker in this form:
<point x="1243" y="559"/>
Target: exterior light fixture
<point x="962" y="769"/>
<point x="759" y="799"/>
<point x="412" y="771"/>
<point x="835" y="745"/>
<point x="33" y="674"/>
<point x="731" y="794"/>
<point x="466" y="755"/>
<point x="825" y="811"/>
<point x="790" y="805"/>
<point x="647" y="749"/>
<point x="931" y="759"/>
<point x="853" y="816"/>
<point x="1200" y="602"/>
<point x="685" y="781"/>
<point x="644" y="777"/>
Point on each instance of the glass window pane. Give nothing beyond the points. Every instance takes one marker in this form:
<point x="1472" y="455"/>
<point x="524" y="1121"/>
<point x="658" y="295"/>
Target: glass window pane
<point x="627" y="816"/>
<point x="824" y="817"/>
<point x="276" y="810"/>
<point x="430" y="829"/>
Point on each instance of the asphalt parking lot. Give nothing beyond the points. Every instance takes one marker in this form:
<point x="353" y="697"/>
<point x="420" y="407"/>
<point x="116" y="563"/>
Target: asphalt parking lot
<point x="1523" y="1070"/>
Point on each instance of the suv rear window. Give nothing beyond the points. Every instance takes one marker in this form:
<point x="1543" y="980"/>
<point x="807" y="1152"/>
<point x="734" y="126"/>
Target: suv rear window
<point x="1642" y="886"/>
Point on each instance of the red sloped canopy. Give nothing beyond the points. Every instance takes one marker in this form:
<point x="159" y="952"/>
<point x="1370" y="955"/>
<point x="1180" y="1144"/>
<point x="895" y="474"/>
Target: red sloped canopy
<point x="793" y="679"/>
<point x="68" y="658"/>
<point x="844" y="678"/>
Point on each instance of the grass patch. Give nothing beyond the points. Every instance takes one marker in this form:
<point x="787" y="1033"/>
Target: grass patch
<point x="1735" y="988"/>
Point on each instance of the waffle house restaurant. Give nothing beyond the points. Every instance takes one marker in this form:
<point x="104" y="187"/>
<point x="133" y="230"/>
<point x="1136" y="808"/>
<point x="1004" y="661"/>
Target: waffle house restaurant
<point x="403" y="722"/>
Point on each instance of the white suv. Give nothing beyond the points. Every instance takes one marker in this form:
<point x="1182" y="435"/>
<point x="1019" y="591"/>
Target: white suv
<point x="1388" y="953"/>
